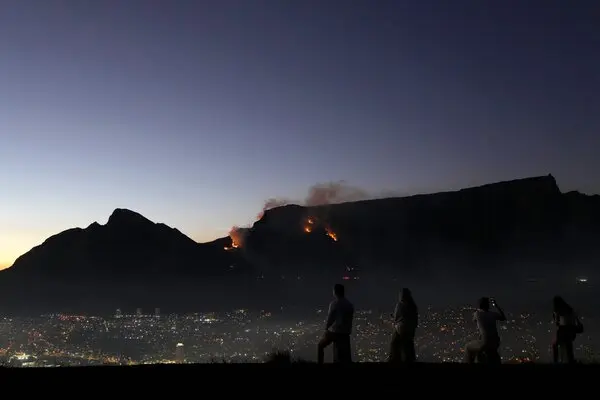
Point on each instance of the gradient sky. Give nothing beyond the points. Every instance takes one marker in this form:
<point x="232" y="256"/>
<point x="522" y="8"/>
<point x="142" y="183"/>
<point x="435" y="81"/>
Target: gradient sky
<point x="195" y="112"/>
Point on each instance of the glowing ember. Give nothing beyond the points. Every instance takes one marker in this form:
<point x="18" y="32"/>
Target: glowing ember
<point x="308" y="226"/>
<point x="331" y="234"/>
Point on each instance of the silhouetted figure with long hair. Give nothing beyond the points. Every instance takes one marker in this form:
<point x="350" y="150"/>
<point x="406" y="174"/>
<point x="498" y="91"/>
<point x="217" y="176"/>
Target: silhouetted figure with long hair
<point x="489" y="340"/>
<point x="405" y="320"/>
<point x="567" y="327"/>
<point x="338" y="327"/>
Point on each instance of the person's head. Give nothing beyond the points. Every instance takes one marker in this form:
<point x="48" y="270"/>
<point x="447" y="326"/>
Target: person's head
<point x="338" y="290"/>
<point x="560" y="305"/>
<point x="484" y="303"/>
<point x="406" y="295"/>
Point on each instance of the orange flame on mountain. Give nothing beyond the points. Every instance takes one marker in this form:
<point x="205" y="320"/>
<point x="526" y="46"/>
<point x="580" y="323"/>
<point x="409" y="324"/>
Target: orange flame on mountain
<point x="331" y="234"/>
<point x="237" y="238"/>
<point x="309" y="223"/>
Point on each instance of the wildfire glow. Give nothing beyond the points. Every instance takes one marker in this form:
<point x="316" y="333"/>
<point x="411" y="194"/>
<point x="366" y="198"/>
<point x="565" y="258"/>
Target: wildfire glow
<point x="331" y="234"/>
<point x="236" y="238"/>
<point x="308" y="227"/>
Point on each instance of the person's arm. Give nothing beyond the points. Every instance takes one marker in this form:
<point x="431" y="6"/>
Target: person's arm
<point x="330" y="316"/>
<point x="397" y="315"/>
<point x="501" y="315"/>
<point x="555" y="319"/>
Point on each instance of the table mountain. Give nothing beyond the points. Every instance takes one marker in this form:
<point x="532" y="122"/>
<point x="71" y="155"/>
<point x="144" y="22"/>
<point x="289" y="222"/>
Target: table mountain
<point x="132" y="261"/>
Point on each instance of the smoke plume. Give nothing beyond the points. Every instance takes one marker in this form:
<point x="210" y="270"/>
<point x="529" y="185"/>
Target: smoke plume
<point x="333" y="193"/>
<point x="318" y="195"/>
<point x="323" y="194"/>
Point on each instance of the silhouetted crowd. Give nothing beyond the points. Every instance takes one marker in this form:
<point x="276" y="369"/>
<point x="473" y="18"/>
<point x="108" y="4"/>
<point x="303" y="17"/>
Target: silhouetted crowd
<point x="405" y="320"/>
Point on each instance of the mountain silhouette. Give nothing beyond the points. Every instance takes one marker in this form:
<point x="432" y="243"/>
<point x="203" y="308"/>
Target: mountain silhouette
<point x="132" y="261"/>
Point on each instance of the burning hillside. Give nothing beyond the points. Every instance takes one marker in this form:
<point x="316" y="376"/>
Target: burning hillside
<point x="331" y="234"/>
<point x="318" y="195"/>
<point x="311" y="223"/>
<point x="237" y="236"/>
<point x="308" y="226"/>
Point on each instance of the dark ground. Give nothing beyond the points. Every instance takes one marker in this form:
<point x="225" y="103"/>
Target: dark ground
<point x="205" y="380"/>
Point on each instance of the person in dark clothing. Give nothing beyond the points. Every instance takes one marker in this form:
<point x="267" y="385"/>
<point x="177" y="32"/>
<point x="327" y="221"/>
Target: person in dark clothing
<point x="567" y="326"/>
<point x="404" y="320"/>
<point x="338" y="328"/>
<point x="486" y="347"/>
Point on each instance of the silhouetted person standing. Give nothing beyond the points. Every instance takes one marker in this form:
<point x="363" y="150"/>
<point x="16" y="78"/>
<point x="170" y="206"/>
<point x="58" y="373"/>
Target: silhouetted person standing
<point x="489" y="339"/>
<point x="567" y="327"/>
<point x="405" y="320"/>
<point x="338" y="327"/>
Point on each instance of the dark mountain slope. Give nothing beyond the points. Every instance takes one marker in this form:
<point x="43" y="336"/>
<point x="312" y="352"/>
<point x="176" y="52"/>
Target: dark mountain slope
<point x="492" y="221"/>
<point x="527" y="224"/>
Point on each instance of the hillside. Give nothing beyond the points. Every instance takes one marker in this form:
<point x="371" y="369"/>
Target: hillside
<point x="132" y="260"/>
<point x="481" y="227"/>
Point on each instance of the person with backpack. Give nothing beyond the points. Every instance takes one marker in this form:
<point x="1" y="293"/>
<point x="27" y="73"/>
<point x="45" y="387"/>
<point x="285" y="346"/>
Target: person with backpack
<point x="568" y="326"/>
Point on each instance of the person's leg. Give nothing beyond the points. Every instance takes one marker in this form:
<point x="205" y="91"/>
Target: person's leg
<point x="492" y="354"/>
<point x="337" y="349"/>
<point x="348" y="350"/>
<point x="569" y="352"/>
<point x="325" y="341"/>
<point x="563" y="345"/>
<point x="555" y="349"/>
<point x="395" y="351"/>
<point x="343" y="349"/>
<point x="410" y="352"/>
<point x="472" y="350"/>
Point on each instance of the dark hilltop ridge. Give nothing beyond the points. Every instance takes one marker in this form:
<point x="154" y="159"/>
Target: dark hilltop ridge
<point x="132" y="262"/>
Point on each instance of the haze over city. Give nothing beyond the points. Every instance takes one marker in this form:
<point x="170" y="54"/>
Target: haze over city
<point x="196" y="113"/>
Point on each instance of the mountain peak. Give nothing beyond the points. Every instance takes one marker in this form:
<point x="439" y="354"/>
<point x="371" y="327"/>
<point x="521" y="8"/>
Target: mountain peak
<point x="124" y="216"/>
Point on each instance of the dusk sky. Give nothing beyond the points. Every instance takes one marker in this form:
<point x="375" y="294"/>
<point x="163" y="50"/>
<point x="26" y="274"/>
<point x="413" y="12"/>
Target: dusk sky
<point x="193" y="113"/>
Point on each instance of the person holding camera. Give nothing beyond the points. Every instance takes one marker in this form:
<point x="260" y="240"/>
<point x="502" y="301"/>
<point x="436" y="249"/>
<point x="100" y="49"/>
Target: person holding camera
<point x="489" y="340"/>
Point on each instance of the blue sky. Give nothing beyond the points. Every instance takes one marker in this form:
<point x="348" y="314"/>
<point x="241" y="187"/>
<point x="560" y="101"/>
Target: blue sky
<point x="195" y="112"/>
